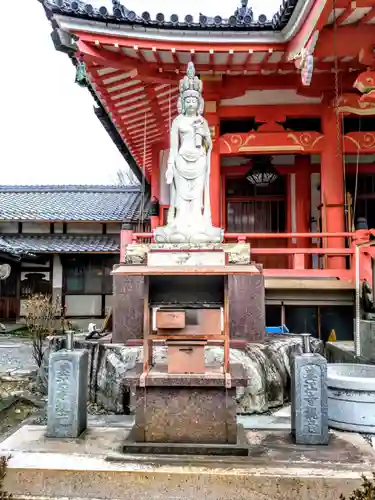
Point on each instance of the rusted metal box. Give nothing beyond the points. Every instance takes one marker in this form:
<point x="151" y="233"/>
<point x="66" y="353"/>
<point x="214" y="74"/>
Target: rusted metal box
<point x="185" y="356"/>
<point x="172" y="319"/>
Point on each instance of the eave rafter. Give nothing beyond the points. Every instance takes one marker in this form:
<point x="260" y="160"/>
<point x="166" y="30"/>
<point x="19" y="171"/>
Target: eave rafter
<point x="142" y="153"/>
<point x="301" y="48"/>
<point x="121" y="62"/>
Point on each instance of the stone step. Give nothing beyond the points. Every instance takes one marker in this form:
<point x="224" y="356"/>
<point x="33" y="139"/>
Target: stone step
<point x="276" y="469"/>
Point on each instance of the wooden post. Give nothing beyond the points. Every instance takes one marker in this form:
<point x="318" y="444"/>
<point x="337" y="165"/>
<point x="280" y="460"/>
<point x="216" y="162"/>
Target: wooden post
<point x="155" y="182"/>
<point x="126" y="237"/>
<point x="215" y="175"/>
<point x="332" y="186"/>
<point x="303" y="203"/>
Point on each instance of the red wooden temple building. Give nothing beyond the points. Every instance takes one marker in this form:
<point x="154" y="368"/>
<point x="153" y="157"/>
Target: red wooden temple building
<point x="290" y="105"/>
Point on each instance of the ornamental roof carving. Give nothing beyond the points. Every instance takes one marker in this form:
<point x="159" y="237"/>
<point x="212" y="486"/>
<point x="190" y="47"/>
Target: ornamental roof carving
<point x="241" y="20"/>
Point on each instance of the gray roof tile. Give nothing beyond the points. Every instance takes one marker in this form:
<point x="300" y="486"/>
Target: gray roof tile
<point x="71" y="203"/>
<point x="62" y="243"/>
<point x="14" y="250"/>
<point x="242" y="19"/>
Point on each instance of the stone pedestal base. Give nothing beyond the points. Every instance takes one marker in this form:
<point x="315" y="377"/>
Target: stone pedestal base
<point x="203" y="233"/>
<point x="189" y="409"/>
<point x="67" y="394"/>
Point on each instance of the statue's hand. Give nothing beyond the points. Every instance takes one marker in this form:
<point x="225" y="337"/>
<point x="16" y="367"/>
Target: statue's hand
<point x="169" y="174"/>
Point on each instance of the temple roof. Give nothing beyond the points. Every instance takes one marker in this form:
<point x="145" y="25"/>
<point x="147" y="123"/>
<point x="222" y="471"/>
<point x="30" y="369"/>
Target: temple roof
<point x="72" y="203"/>
<point x="60" y="243"/>
<point x="242" y="18"/>
<point x="133" y="63"/>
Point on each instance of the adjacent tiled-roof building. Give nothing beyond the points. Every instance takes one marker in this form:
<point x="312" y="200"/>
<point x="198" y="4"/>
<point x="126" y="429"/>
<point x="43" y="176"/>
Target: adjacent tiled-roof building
<point x="54" y="206"/>
<point x="62" y="243"/>
<point x="72" y="203"/>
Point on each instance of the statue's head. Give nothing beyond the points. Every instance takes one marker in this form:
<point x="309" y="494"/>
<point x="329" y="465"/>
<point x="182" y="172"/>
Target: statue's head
<point x="190" y="101"/>
<point x="190" y="104"/>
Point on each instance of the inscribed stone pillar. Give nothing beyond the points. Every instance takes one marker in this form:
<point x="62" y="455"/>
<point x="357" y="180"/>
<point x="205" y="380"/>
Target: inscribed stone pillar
<point x="247" y="307"/>
<point x="127" y="308"/>
<point x="309" y="399"/>
<point x="367" y="339"/>
<point x="67" y="394"/>
<point x="332" y="186"/>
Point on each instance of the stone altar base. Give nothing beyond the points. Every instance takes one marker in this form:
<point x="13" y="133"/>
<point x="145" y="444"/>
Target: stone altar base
<point x="196" y="410"/>
<point x="187" y="413"/>
<point x="133" y="447"/>
<point x="91" y="467"/>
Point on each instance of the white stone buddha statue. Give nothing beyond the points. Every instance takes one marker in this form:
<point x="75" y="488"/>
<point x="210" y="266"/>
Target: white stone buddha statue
<point x="188" y="172"/>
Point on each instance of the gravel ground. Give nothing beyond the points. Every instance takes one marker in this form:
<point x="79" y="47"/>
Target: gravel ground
<point x="15" y="354"/>
<point x="16" y="359"/>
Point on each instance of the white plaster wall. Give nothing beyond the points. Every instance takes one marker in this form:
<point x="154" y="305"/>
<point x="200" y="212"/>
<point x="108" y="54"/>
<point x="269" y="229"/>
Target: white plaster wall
<point x="8" y="227"/>
<point x="58" y="227"/>
<point x="113" y="228"/>
<point x="108" y="302"/>
<point x="269" y="97"/>
<point x="36" y="227"/>
<point x="84" y="228"/>
<point x="164" y="188"/>
<point x="83" y="305"/>
<point x="57" y="275"/>
<point x="25" y="265"/>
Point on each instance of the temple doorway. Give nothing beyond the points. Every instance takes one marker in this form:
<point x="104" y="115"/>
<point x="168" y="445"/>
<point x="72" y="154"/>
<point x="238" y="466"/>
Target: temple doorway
<point x="9" y="296"/>
<point x="258" y="209"/>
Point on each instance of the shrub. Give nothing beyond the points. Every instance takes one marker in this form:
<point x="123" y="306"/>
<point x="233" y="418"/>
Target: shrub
<point x="40" y="313"/>
<point x="365" y="492"/>
<point x="3" y="466"/>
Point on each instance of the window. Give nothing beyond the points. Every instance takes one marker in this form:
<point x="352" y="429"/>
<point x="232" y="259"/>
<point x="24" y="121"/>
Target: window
<point x="33" y="282"/>
<point x="88" y="274"/>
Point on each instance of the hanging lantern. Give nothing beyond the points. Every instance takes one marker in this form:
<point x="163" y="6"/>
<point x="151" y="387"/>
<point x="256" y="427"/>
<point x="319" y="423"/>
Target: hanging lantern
<point x="81" y="75"/>
<point x="154" y="207"/>
<point x="262" y="173"/>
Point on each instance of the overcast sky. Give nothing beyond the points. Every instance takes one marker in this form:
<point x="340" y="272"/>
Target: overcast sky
<point x="49" y="133"/>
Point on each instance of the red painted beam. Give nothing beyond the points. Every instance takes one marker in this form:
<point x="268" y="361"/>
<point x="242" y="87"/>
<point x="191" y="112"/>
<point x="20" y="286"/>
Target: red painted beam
<point x="302" y="251"/>
<point x="233" y="86"/>
<point x="368" y="17"/>
<point x="341" y="274"/>
<point x="123" y="62"/>
<point x="162" y="45"/>
<point x="316" y="19"/>
<point x="265" y="236"/>
<point x="259" y="111"/>
<point x="360" y="36"/>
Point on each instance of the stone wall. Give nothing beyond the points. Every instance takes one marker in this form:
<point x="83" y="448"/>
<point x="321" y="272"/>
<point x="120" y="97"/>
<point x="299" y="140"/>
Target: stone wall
<point x="267" y="367"/>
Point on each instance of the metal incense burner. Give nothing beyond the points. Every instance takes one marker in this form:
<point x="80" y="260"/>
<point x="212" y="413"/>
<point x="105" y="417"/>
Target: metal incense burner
<point x="70" y="340"/>
<point x="306" y="343"/>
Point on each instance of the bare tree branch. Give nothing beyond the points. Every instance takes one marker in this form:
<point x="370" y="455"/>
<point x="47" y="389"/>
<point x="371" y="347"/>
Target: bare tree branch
<point x="126" y="178"/>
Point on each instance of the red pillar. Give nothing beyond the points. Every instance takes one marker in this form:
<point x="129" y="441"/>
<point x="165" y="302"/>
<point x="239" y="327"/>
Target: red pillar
<point x="215" y="174"/>
<point x="303" y="202"/>
<point x="155" y="182"/>
<point x="215" y="187"/>
<point x="332" y="187"/>
<point x="126" y="238"/>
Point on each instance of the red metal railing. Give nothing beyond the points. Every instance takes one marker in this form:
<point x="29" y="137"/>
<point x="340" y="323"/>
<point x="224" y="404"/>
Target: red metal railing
<point x="297" y="260"/>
